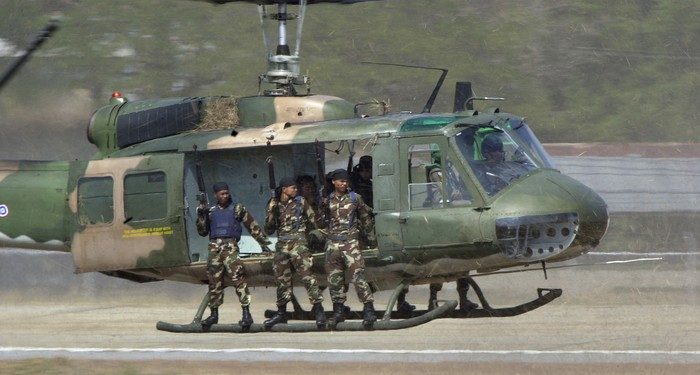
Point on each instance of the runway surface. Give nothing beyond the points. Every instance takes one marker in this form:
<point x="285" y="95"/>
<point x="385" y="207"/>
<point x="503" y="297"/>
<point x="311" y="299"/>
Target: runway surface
<point x="640" y="317"/>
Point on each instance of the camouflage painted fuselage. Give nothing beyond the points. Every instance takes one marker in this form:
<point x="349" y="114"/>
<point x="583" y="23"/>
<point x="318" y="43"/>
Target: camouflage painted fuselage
<point x="130" y="212"/>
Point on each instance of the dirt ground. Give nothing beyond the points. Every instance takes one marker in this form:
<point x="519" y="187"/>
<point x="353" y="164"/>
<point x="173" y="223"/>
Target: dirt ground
<point x="638" y="318"/>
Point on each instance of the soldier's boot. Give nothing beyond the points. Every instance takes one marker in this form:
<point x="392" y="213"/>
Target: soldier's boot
<point x="213" y="318"/>
<point x="338" y="314"/>
<point x="279" y="317"/>
<point x="402" y="305"/>
<point x="432" y="300"/>
<point x="369" y="316"/>
<point x="246" y="319"/>
<point x="320" y="315"/>
<point x="464" y="303"/>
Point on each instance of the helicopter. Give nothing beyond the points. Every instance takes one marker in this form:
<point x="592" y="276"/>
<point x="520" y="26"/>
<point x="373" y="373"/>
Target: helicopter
<point x="130" y="211"/>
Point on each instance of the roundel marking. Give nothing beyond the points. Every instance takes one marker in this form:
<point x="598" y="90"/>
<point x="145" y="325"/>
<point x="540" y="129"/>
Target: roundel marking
<point x="4" y="211"/>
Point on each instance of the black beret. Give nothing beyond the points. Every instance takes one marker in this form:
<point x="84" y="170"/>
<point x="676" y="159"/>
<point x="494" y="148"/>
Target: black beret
<point x="365" y="163"/>
<point x="287" y="181"/>
<point x="220" y="186"/>
<point x="340" y="174"/>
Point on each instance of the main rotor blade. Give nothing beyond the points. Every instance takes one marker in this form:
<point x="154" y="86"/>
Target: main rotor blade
<point x="271" y="2"/>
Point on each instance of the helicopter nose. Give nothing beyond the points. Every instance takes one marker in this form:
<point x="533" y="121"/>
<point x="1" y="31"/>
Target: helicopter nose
<point x="564" y="219"/>
<point x="592" y="214"/>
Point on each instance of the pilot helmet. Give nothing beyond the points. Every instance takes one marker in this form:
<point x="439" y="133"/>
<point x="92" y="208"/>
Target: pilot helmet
<point x="491" y="143"/>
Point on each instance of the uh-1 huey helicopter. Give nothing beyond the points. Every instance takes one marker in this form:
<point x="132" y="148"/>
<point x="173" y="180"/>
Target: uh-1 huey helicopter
<point x="130" y="211"/>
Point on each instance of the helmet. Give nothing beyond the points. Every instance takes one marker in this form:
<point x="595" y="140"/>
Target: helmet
<point x="491" y="143"/>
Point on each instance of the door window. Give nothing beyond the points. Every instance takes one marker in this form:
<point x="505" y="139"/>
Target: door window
<point x="425" y="187"/>
<point x="95" y="200"/>
<point x="145" y="196"/>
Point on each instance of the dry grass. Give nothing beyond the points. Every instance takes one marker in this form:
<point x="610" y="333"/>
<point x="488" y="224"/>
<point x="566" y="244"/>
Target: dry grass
<point x="220" y="113"/>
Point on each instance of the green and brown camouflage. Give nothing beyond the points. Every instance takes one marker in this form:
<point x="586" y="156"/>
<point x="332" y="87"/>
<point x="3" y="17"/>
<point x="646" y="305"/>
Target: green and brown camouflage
<point x="346" y="215"/>
<point x="291" y="219"/>
<point x="346" y="257"/>
<point x="131" y="211"/>
<point x="224" y="264"/>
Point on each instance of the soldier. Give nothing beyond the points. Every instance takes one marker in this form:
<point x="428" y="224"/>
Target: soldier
<point x="291" y="215"/>
<point x="361" y="180"/>
<point x="343" y="209"/>
<point x="315" y="238"/>
<point x="222" y="222"/>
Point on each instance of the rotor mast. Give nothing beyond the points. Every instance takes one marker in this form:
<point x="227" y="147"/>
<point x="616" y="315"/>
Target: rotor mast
<point x="283" y="66"/>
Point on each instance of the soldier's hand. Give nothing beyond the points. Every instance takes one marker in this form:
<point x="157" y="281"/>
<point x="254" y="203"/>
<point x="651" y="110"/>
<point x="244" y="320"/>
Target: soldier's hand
<point x="202" y="210"/>
<point x="371" y="243"/>
<point x="317" y="235"/>
<point x="266" y="250"/>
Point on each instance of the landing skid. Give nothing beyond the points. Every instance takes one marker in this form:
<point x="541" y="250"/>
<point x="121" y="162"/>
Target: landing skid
<point x="381" y="325"/>
<point x="447" y="309"/>
<point x="544" y="296"/>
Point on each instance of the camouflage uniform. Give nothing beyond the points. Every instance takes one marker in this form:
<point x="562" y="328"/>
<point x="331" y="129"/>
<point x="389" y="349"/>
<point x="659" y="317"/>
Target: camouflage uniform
<point x="292" y="220"/>
<point x="342" y="249"/>
<point x="223" y="256"/>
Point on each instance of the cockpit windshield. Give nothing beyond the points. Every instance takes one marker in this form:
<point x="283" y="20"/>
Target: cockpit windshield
<point x="529" y="140"/>
<point x="496" y="159"/>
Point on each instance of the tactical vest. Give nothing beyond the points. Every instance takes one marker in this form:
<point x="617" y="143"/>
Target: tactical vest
<point x="223" y="223"/>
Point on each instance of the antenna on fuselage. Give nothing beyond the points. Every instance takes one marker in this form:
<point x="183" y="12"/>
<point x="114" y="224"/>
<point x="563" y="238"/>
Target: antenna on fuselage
<point x="433" y="95"/>
<point x="283" y="66"/>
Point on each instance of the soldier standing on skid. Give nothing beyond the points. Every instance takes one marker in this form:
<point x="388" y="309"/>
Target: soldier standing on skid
<point x="291" y="216"/>
<point x="343" y="209"/>
<point x="222" y="222"/>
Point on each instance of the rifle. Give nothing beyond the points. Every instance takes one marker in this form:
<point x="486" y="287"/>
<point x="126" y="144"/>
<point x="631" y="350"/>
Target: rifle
<point x="202" y="195"/>
<point x="323" y="186"/>
<point x="271" y="176"/>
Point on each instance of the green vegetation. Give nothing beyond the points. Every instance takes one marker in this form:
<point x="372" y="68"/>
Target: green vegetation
<point x="580" y="71"/>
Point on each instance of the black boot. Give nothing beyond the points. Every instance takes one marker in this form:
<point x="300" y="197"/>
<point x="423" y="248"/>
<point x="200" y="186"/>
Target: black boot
<point x="464" y="303"/>
<point x="432" y="300"/>
<point x="320" y="315"/>
<point x="369" y="316"/>
<point x="213" y="318"/>
<point x="338" y="313"/>
<point x="279" y="317"/>
<point x="402" y="306"/>
<point x="247" y="319"/>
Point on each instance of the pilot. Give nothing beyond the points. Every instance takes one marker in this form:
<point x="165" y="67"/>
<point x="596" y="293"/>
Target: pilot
<point x="222" y="222"/>
<point x="291" y="216"/>
<point x="491" y="172"/>
<point x="492" y="149"/>
<point x="345" y="211"/>
<point x="361" y="179"/>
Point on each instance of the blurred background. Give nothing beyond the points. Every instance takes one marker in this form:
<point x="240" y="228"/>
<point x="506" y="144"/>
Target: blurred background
<point x="582" y="72"/>
<point x="594" y="71"/>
